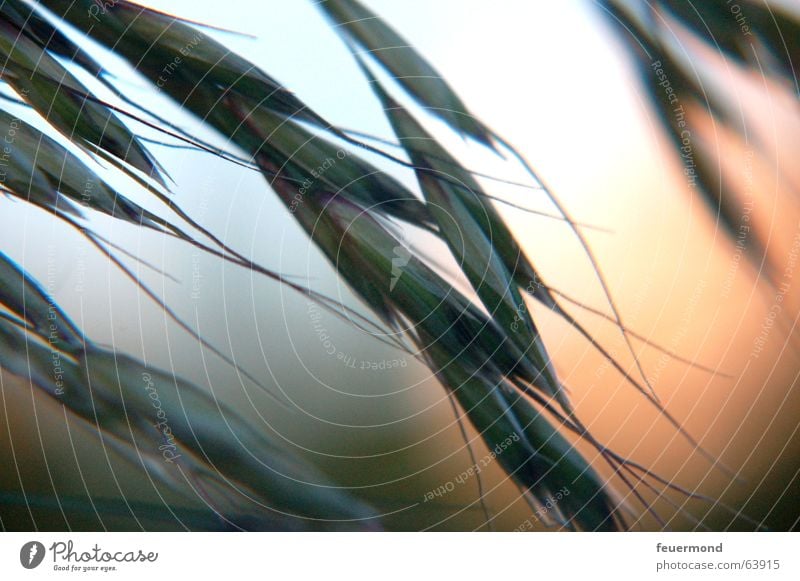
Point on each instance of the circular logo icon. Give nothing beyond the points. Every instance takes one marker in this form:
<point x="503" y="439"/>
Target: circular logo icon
<point x="31" y="554"/>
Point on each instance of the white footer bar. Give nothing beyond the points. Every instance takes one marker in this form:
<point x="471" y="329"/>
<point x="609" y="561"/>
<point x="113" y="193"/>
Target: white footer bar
<point x="355" y="556"/>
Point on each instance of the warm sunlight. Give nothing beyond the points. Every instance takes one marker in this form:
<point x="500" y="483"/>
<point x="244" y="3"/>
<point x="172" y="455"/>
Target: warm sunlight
<point x="402" y="266"/>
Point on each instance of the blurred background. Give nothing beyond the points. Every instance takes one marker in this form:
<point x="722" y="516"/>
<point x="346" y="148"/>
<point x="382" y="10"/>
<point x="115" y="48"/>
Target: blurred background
<point x="554" y="79"/>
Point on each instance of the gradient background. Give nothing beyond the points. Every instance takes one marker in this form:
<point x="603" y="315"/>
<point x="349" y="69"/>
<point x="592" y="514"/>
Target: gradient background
<point x="551" y="78"/>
